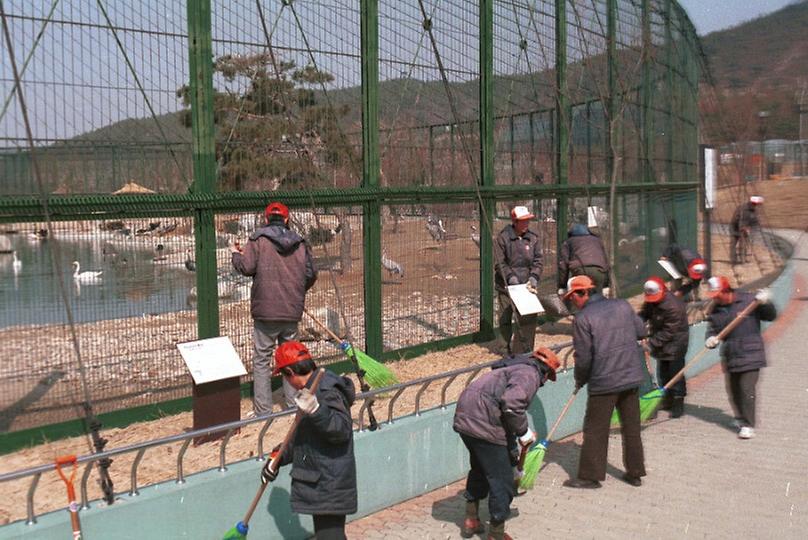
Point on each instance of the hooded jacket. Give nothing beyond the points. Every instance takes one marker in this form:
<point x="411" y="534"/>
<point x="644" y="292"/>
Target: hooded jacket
<point x="580" y="249"/>
<point x="322" y="453"/>
<point x="607" y="355"/>
<point x="280" y="263"/>
<point x="493" y="408"/>
<point x="742" y="350"/>
<point x="518" y="256"/>
<point x="669" y="327"/>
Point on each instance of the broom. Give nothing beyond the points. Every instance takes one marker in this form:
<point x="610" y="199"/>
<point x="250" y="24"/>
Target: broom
<point x="239" y="532"/>
<point x="650" y="401"/>
<point x="530" y="462"/>
<point x="375" y="373"/>
<point x="615" y="414"/>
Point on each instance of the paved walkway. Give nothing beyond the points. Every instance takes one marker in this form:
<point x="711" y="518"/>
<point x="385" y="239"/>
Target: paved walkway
<point x="703" y="482"/>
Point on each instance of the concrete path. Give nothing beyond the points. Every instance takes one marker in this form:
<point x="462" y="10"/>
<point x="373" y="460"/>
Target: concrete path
<point x="703" y="482"/>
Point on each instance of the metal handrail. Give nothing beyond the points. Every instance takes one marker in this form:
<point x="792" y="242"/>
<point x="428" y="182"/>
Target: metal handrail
<point x="232" y="427"/>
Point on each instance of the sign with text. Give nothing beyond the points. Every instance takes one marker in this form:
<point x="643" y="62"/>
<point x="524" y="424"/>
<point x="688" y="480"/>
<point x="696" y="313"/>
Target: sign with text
<point x="211" y="359"/>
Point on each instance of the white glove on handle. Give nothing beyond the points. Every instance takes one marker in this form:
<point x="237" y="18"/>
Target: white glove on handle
<point x="528" y="438"/>
<point x="607" y="292"/>
<point x="306" y="402"/>
<point x="712" y="342"/>
<point x="763" y="296"/>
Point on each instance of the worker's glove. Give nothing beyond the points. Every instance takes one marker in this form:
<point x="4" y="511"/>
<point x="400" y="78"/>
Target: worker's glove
<point x="528" y="438"/>
<point x="562" y="292"/>
<point x="513" y="280"/>
<point x="533" y="282"/>
<point x="712" y="342"/>
<point x="763" y="296"/>
<point x="607" y="292"/>
<point x="267" y="473"/>
<point x="306" y="402"/>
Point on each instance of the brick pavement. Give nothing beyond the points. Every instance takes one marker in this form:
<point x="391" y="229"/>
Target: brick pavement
<point x="703" y="482"/>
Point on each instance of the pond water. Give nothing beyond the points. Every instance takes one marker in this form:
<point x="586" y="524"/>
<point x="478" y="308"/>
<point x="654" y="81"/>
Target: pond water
<point x="131" y="285"/>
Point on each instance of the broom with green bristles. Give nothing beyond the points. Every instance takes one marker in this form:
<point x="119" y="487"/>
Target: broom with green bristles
<point x="650" y="401"/>
<point x="375" y="373"/>
<point x="530" y="462"/>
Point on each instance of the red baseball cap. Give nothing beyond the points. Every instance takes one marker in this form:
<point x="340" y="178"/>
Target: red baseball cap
<point x="288" y="353"/>
<point x="277" y="209"/>
<point x="696" y="268"/>
<point x="654" y="289"/>
<point x="579" y="283"/>
<point x="716" y="285"/>
<point x="518" y="213"/>
<point x="547" y="356"/>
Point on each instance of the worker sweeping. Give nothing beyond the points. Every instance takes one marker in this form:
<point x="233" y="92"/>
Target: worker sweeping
<point x="491" y="419"/>
<point x="742" y="351"/>
<point x="666" y="316"/>
<point x="322" y="453"/>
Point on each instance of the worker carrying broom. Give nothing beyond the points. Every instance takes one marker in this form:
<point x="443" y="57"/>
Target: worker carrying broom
<point x="491" y="419"/>
<point x="742" y="353"/>
<point x="692" y="267"/>
<point x="608" y="359"/>
<point x="322" y="451"/>
<point x="666" y="316"/>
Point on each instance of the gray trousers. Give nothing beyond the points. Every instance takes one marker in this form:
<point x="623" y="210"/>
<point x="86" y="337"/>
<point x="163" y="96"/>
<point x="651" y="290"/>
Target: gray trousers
<point x="266" y="336"/>
<point x="741" y="387"/>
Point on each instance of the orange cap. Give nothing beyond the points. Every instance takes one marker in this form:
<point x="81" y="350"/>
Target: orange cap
<point x="579" y="283"/>
<point x="654" y="289"/>
<point x="288" y="353"/>
<point x="550" y="359"/>
<point x="277" y="209"/>
<point x="696" y="268"/>
<point x="716" y="285"/>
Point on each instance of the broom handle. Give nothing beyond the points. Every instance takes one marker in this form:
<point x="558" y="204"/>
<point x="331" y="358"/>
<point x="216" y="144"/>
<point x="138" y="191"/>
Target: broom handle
<point x="721" y="335"/>
<point x="286" y="440"/>
<point x="523" y="453"/>
<point x="334" y="336"/>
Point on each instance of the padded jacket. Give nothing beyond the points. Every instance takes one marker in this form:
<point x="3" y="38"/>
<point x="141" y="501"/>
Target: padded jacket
<point x="518" y="256"/>
<point x="742" y="350"/>
<point x="282" y="268"/>
<point x="493" y="408"/>
<point x="745" y="216"/>
<point x="680" y="257"/>
<point x="607" y="355"/>
<point x="581" y="249"/>
<point x="322" y="453"/>
<point x="667" y="320"/>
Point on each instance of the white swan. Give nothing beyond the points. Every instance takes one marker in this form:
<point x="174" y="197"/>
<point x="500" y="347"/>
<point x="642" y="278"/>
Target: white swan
<point x="85" y="277"/>
<point x="17" y="264"/>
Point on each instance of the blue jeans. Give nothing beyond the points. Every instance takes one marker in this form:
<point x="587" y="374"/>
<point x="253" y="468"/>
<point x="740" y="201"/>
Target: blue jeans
<point x="491" y="476"/>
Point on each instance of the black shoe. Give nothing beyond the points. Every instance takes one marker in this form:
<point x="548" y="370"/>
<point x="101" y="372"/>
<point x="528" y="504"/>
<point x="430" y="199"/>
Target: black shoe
<point x="632" y="480"/>
<point x="580" y="483"/>
<point x="678" y="407"/>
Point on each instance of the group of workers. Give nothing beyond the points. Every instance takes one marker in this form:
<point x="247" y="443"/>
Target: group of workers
<point x="609" y="339"/>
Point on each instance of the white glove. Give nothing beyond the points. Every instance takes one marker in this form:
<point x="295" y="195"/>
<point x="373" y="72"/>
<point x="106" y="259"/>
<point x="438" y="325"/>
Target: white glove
<point x="712" y="342"/>
<point x="562" y="292"/>
<point x="763" y="296"/>
<point x="528" y="438"/>
<point x="607" y="292"/>
<point x="306" y="402"/>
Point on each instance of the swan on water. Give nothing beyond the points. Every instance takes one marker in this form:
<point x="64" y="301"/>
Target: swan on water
<point x="86" y="277"/>
<point x="17" y="264"/>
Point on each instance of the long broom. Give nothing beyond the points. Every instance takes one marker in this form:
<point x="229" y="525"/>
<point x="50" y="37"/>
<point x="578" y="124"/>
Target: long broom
<point x="530" y="462"/>
<point x="239" y="532"/>
<point x="650" y="401"/>
<point x="375" y="373"/>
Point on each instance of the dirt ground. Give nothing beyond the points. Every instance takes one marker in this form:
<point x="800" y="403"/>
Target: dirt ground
<point x="785" y="204"/>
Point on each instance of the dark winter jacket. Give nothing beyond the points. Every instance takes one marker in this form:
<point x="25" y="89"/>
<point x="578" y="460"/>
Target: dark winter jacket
<point x="745" y="216"/>
<point x="282" y="269"/>
<point x="518" y="256"/>
<point x="322" y="453"/>
<point x="580" y="249"/>
<point x="680" y="257"/>
<point x="742" y="349"/>
<point x="607" y="355"/>
<point x="493" y="408"/>
<point x="668" y="324"/>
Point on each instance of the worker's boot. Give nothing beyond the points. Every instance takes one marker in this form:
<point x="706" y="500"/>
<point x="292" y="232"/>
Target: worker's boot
<point x="678" y="406"/>
<point x="496" y="531"/>
<point x="667" y="402"/>
<point x="472" y="524"/>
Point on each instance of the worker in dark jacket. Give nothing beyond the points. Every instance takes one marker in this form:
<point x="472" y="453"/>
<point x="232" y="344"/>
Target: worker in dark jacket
<point x="608" y="359"/>
<point x="490" y="418"/>
<point x="742" y="352"/>
<point x="743" y="221"/>
<point x="282" y="268"/>
<point x="690" y="265"/>
<point x="321" y="452"/>
<point x="582" y="253"/>
<point x="518" y="260"/>
<point x="666" y="316"/>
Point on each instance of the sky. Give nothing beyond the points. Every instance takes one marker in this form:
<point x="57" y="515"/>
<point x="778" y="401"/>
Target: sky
<point x="712" y="15"/>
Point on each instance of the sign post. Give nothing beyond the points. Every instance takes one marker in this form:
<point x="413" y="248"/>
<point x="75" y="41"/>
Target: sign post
<point x="708" y="169"/>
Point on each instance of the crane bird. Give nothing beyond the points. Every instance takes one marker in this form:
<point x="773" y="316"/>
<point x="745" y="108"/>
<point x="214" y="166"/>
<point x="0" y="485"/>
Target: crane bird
<point x="435" y="227"/>
<point x="89" y="277"/>
<point x="475" y="236"/>
<point x="392" y="266"/>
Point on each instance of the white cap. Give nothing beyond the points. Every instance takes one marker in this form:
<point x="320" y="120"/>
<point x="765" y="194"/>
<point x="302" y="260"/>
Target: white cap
<point x="756" y="199"/>
<point x="521" y="212"/>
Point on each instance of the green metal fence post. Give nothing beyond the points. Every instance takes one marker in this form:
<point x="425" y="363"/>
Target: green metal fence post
<point x="487" y="167"/>
<point x="611" y="132"/>
<point x="371" y="218"/>
<point x="563" y="114"/>
<point x="647" y="133"/>
<point x="669" y="88"/>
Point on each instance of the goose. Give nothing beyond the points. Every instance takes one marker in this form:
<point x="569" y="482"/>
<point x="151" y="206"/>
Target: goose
<point x="87" y="277"/>
<point x="17" y="264"/>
